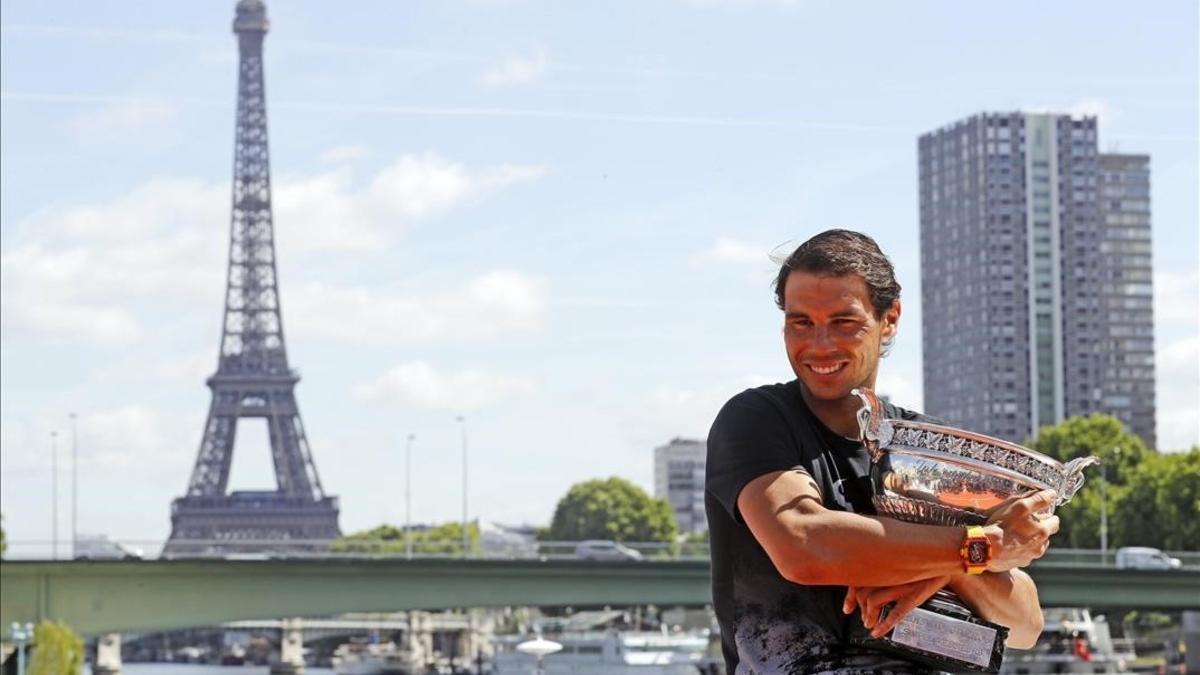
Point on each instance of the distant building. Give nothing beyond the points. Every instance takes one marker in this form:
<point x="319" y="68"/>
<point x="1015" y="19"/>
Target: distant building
<point x="1126" y="294"/>
<point x="1035" y="276"/>
<point x="679" y="478"/>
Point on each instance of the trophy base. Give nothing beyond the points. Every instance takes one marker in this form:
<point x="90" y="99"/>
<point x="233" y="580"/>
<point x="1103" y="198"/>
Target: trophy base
<point x="943" y="634"/>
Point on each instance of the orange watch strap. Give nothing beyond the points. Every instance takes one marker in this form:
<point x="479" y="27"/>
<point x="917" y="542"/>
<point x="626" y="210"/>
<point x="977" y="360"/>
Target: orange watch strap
<point x="976" y="551"/>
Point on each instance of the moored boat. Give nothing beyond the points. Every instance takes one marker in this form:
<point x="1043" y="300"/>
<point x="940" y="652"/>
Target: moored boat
<point x="367" y="658"/>
<point x="611" y="652"/>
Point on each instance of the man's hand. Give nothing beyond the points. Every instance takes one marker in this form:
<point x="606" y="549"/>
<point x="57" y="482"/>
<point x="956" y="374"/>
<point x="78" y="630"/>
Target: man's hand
<point x="872" y="601"/>
<point x="1020" y="532"/>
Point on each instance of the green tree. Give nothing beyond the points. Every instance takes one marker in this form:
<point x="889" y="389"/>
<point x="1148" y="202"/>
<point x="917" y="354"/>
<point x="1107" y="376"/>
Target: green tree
<point x="1101" y="435"/>
<point x="613" y="509"/>
<point x="1121" y="454"/>
<point x="444" y="539"/>
<point x="1159" y="504"/>
<point x="57" y="650"/>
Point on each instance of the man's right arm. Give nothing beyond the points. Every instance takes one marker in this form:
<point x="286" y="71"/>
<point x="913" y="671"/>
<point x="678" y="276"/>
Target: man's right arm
<point x="812" y="545"/>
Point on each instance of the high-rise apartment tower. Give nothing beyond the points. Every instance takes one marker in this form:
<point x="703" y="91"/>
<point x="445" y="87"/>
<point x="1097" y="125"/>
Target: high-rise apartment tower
<point x="1035" y="276"/>
<point x="679" y="479"/>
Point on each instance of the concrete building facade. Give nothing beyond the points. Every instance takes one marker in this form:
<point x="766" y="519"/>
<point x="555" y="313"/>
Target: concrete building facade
<point x="679" y="478"/>
<point x="1035" y="284"/>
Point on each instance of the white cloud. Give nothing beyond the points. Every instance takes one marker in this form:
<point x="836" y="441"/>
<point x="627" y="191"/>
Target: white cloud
<point x="517" y="71"/>
<point x="135" y="435"/>
<point x="418" y="186"/>
<point x="418" y="383"/>
<point x="1177" y="297"/>
<point x="497" y="302"/>
<point x="83" y="272"/>
<point x="667" y="411"/>
<point x="344" y="153"/>
<point x="324" y="212"/>
<point x="411" y="188"/>
<point x="127" y="436"/>
<point x="193" y="367"/>
<point x="110" y="325"/>
<point x="1090" y="107"/>
<point x="1177" y="363"/>
<point x="124" y="115"/>
<point x="1177" y="396"/>
<point x="142" y="368"/>
<point x="80" y="272"/>
<point x="734" y="251"/>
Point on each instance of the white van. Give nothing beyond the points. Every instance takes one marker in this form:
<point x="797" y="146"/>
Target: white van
<point x="1145" y="558"/>
<point x="602" y="549"/>
<point x="100" y="547"/>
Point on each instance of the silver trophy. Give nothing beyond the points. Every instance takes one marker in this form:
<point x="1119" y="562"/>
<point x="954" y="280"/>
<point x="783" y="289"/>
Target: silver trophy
<point x="938" y="475"/>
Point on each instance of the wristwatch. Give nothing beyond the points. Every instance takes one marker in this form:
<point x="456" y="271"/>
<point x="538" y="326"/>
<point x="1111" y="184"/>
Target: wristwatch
<point x="976" y="551"/>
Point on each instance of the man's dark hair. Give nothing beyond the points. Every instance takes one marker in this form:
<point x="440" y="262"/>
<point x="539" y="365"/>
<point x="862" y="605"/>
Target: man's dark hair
<point x="837" y="253"/>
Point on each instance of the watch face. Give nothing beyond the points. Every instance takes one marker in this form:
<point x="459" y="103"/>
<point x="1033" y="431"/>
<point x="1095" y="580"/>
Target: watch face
<point x="977" y="552"/>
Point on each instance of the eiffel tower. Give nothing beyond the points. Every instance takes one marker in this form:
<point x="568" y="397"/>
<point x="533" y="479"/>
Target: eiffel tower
<point x="253" y="378"/>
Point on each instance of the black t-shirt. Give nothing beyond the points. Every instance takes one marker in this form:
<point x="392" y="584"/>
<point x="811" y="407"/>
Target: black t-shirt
<point x="769" y="624"/>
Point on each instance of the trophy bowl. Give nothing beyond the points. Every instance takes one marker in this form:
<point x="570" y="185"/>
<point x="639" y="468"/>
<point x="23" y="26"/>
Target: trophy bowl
<point x="938" y="475"/>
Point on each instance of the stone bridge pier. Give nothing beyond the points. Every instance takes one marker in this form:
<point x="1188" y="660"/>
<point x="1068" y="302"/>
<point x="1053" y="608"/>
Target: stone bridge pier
<point x="291" y="649"/>
<point x="108" y="655"/>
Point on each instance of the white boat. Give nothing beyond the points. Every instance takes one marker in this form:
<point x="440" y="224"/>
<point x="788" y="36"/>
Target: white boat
<point x="610" y="652"/>
<point x="364" y="658"/>
<point x="1072" y="641"/>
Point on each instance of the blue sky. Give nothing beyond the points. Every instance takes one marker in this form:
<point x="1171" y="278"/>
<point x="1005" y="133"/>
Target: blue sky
<point x="552" y="218"/>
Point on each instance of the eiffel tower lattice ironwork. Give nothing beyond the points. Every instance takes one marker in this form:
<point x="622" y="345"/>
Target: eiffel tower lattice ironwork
<point x="253" y="379"/>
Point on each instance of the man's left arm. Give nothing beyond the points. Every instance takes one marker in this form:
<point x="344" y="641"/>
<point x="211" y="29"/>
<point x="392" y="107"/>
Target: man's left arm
<point x="1007" y="598"/>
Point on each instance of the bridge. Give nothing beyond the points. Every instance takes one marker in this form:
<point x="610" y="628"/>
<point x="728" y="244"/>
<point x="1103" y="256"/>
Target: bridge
<point x="100" y="597"/>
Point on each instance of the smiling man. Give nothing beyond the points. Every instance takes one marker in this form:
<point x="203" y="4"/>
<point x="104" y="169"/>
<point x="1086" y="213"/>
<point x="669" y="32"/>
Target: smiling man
<point x="801" y="564"/>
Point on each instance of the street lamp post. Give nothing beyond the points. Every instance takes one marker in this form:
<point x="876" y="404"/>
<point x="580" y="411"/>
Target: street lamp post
<point x="1116" y="452"/>
<point x="74" y="484"/>
<point x="466" y="537"/>
<point x="54" y="495"/>
<point x="1103" y="513"/>
<point x="21" y="634"/>
<point x="408" y="542"/>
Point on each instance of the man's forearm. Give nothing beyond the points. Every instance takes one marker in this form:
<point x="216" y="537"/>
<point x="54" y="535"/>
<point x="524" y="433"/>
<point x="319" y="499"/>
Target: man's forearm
<point x="847" y="549"/>
<point x="1007" y="598"/>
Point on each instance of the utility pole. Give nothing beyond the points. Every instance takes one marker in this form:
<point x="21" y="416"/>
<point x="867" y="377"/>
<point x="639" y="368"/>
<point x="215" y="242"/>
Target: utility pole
<point x="74" y="485"/>
<point x="408" y="542"/>
<point x="54" y="495"/>
<point x="466" y="537"/>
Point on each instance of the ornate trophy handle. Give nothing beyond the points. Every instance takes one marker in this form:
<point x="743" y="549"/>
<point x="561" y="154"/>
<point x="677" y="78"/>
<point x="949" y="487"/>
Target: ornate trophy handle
<point x="874" y="429"/>
<point x="1072" y="478"/>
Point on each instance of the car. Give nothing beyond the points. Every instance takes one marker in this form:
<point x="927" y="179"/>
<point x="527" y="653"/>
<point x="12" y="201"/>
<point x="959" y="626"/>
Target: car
<point x="603" y="549"/>
<point x="1145" y="558"/>
<point x="100" y="547"/>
